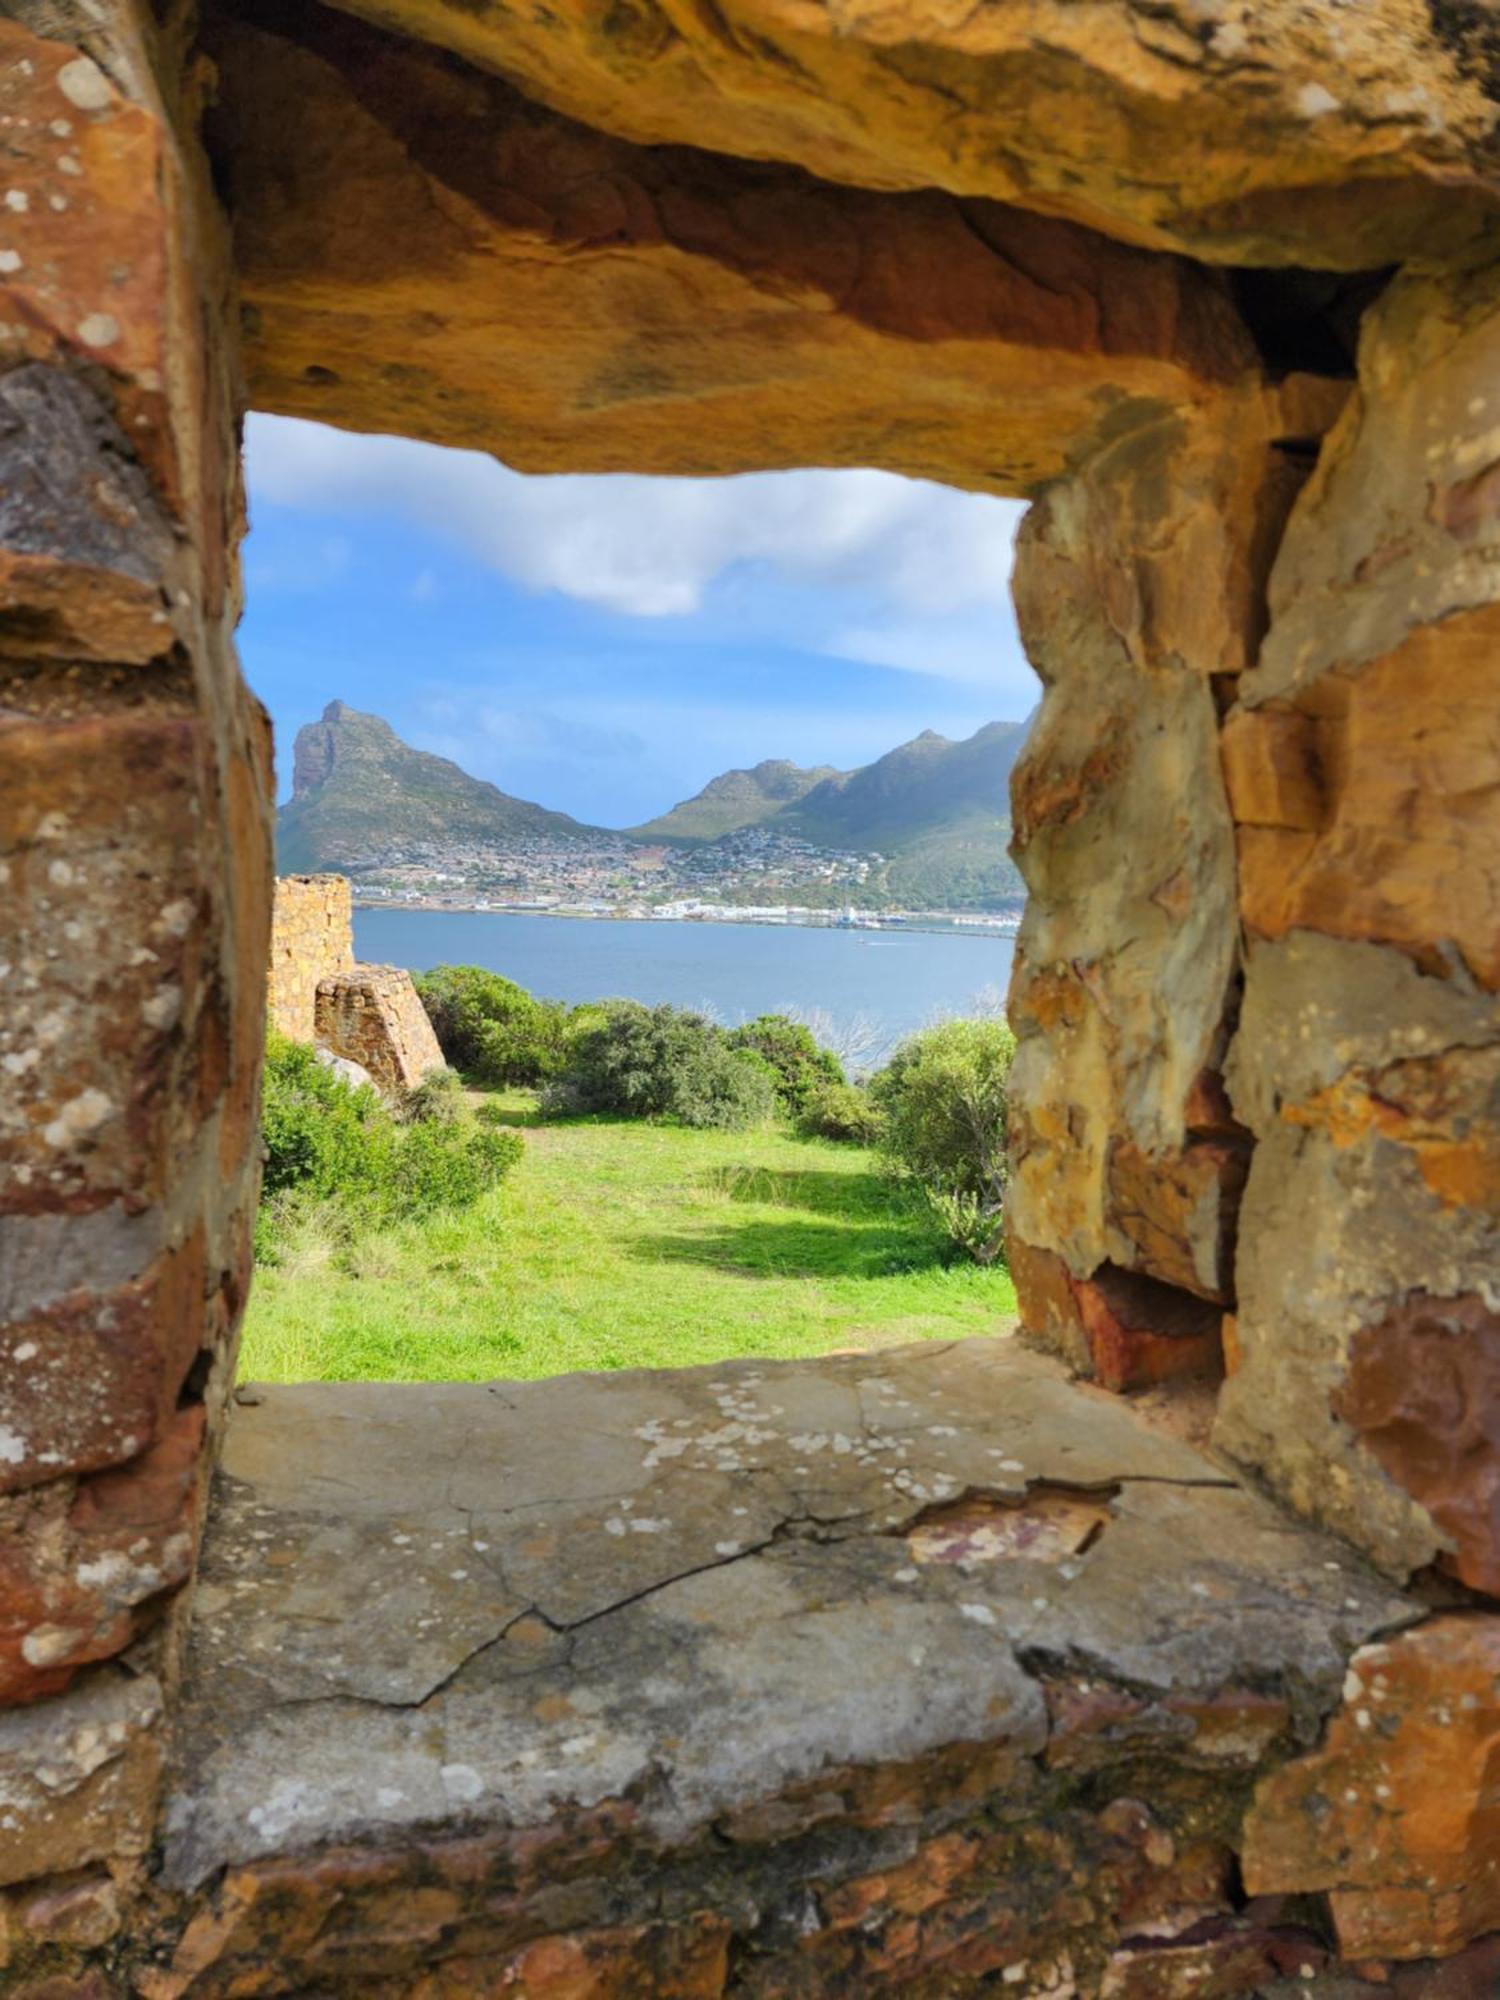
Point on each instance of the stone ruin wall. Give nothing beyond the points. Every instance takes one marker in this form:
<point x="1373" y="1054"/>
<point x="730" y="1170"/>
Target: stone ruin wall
<point x="1258" y="1097"/>
<point x="312" y="938"/>
<point x="369" y="1014"/>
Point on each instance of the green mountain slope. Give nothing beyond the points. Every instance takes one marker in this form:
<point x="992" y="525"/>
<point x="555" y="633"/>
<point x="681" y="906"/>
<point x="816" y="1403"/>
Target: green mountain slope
<point x="359" y="792"/>
<point x="736" y="799"/>
<point x="938" y="811"/>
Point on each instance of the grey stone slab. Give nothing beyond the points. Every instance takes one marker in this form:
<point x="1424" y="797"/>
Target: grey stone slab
<point x="484" y="1604"/>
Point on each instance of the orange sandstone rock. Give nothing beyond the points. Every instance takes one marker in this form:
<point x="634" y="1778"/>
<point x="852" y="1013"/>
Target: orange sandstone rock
<point x="574" y="302"/>
<point x="1397" y="1816"/>
<point x="1275" y="133"/>
<point x="84" y="1568"/>
<point x="1423" y="1393"/>
<point x="1363" y="805"/>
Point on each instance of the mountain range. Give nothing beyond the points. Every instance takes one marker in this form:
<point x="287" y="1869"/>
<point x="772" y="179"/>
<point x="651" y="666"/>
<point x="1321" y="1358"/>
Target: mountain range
<point x="357" y="790"/>
<point x="936" y="812"/>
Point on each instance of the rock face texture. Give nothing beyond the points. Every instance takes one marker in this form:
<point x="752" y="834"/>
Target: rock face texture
<point x="721" y="315"/>
<point x="1363" y="764"/>
<point x="1341" y="138"/>
<point x="1215" y="286"/>
<point x="134" y="902"/>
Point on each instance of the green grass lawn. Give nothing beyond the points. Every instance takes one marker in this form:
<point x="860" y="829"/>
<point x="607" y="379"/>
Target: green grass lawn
<point x="622" y="1245"/>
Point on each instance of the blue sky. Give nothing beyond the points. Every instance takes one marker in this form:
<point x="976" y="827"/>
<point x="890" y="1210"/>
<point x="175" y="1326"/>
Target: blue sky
<point x="607" y="645"/>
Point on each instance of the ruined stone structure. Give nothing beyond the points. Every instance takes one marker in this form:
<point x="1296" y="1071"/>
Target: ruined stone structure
<point x="373" y="1015"/>
<point x="744" y="1684"/>
<point x="370" y="1014"/>
<point x="312" y="938"/>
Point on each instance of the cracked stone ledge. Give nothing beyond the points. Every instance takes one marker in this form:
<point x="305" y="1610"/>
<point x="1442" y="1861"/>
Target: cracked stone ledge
<point x="483" y="1605"/>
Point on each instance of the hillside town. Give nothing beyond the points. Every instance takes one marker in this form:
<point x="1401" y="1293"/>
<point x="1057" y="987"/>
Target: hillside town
<point x="592" y="874"/>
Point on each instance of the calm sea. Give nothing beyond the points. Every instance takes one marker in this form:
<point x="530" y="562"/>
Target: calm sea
<point x="894" y="982"/>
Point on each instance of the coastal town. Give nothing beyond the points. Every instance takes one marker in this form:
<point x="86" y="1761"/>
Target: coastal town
<point x="753" y="875"/>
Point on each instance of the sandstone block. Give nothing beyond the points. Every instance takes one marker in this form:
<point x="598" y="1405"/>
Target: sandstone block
<point x="1174" y="1215"/>
<point x="82" y="1909"/>
<point x="1374" y="1091"/>
<point x="1140" y="1331"/>
<point x="78" y="148"/>
<point x="107" y="881"/>
<point x="1126" y="1330"/>
<point x="581" y="303"/>
<point x="79" y="1775"/>
<point x="92" y="1379"/>
<point x="1277" y="134"/>
<point x="681" y="1961"/>
<point x="84" y="544"/>
<point x="1423" y="1394"/>
<point x="1045" y="1300"/>
<point x="83" y="1567"/>
<point x="1126" y="955"/>
<point x="1396" y="1816"/>
<point x="1364" y="811"/>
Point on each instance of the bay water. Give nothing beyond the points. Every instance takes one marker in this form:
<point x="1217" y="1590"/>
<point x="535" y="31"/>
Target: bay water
<point x="863" y="990"/>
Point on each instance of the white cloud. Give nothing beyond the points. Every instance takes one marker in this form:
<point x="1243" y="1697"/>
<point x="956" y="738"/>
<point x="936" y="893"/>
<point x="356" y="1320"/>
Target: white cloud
<point x="651" y="547"/>
<point x="979" y="652"/>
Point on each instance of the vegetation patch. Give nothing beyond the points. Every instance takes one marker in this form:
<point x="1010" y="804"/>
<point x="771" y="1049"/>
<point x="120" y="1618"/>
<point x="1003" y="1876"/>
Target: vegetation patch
<point x="621" y="1244"/>
<point x="662" y="1062"/>
<point x="944" y="1096"/>
<point x="337" y="1151"/>
<point x="683" y="1194"/>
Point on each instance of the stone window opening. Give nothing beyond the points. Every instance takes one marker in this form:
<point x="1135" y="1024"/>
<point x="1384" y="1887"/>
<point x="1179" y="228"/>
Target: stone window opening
<point x="427" y="1724"/>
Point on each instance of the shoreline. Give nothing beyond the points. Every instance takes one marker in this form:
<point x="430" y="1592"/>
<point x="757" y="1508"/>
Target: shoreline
<point x="929" y="924"/>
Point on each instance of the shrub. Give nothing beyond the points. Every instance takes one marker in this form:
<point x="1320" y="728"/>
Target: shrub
<point x="661" y="1062"/>
<point x="800" y="1067"/>
<point x="843" y="1111"/>
<point x="944" y="1099"/>
<point x="438" y="1099"/>
<point x="318" y="1130"/>
<point x="435" y="1168"/>
<point x="491" y="1028"/>
<point x="329" y="1143"/>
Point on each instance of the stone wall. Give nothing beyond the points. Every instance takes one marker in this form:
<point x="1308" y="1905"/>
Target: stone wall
<point x="372" y="1014"/>
<point x="312" y="937"/>
<point x="135" y="789"/>
<point x="1256" y="1099"/>
<point x="317" y="993"/>
<point x="1363" y="764"/>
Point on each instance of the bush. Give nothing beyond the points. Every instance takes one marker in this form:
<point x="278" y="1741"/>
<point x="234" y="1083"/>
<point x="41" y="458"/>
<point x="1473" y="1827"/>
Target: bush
<point x="843" y="1111"/>
<point x="330" y="1143"/>
<point x="491" y="1028"/>
<point x="435" y="1168"/>
<point x="318" y="1130"/>
<point x="800" y="1067"/>
<point x="944" y="1100"/>
<point x="661" y="1062"/>
<point x="438" y="1099"/>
